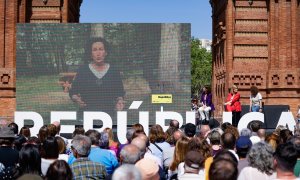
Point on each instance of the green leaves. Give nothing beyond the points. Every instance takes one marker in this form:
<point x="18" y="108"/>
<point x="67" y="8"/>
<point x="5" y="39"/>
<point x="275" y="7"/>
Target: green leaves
<point x="201" y="66"/>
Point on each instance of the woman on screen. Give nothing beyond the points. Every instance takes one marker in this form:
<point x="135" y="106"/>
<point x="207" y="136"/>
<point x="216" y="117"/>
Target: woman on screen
<point x="97" y="85"/>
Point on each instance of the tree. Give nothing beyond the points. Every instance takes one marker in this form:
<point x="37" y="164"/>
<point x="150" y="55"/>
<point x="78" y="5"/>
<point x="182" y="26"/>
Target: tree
<point x="201" y="66"/>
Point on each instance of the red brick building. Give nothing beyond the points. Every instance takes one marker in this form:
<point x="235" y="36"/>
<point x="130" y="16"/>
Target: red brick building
<point x="256" y="42"/>
<point x="25" y="11"/>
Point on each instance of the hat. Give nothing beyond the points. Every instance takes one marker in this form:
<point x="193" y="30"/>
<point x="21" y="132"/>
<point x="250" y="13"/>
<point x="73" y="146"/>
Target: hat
<point x="148" y="168"/>
<point x="6" y="132"/>
<point x="194" y="160"/>
<point x="243" y="142"/>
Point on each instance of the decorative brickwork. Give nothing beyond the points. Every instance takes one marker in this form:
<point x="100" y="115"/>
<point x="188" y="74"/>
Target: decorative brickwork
<point x="261" y="48"/>
<point x="25" y="11"/>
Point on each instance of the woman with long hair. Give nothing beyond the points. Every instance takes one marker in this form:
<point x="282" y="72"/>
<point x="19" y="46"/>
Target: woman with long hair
<point x="255" y="100"/>
<point x="30" y="160"/>
<point x="181" y="148"/>
<point x="158" y="142"/>
<point x="113" y="145"/>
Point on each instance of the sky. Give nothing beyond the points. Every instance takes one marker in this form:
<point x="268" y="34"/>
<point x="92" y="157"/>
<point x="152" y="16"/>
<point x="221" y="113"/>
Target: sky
<point x="196" y="12"/>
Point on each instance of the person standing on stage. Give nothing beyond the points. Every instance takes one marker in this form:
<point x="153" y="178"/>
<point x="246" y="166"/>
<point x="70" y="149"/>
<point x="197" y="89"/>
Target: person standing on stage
<point x="255" y="100"/>
<point x="233" y="105"/>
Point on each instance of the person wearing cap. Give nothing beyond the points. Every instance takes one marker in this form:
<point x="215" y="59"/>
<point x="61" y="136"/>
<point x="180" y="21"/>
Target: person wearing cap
<point x="9" y="156"/>
<point x="243" y="145"/>
<point x="193" y="164"/>
<point x="148" y="168"/>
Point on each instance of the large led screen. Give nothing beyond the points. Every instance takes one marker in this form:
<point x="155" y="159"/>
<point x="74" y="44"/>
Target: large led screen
<point x="103" y="67"/>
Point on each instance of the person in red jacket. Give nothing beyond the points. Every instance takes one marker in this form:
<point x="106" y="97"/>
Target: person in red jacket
<point x="233" y="105"/>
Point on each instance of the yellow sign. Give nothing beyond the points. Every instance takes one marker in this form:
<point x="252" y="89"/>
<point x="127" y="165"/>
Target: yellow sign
<point x="161" y="98"/>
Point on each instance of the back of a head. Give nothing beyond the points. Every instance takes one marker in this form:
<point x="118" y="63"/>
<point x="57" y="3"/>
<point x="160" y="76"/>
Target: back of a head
<point x="226" y="154"/>
<point x="174" y="123"/>
<point x="82" y="144"/>
<point x="228" y="140"/>
<point x="25" y="131"/>
<point x="78" y="131"/>
<point x="127" y="172"/>
<point x="30" y="159"/>
<point x="130" y="154"/>
<point x="204" y="130"/>
<point x="285" y="135"/>
<point x="223" y="169"/>
<point x="148" y="168"/>
<point x="57" y="124"/>
<point x="61" y="144"/>
<point x="260" y="156"/>
<point x="50" y="148"/>
<point x="156" y="134"/>
<point x="59" y="170"/>
<point x="286" y="157"/>
<point x="52" y="130"/>
<point x="255" y="125"/>
<point x="169" y="135"/>
<point x="140" y="143"/>
<point x="94" y="135"/>
<point x="261" y="133"/>
<point x="194" y="160"/>
<point x="104" y="140"/>
<point x="129" y="134"/>
<point x="245" y="132"/>
<point x="190" y="129"/>
<point x="30" y="177"/>
<point x="214" y="137"/>
<point x="14" y="127"/>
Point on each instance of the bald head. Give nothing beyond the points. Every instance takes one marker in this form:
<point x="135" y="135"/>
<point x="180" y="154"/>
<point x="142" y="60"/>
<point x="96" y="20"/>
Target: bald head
<point x="130" y="154"/>
<point x="141" y="144"/>
<point x="261" y="133"/>
<point x="174" y="123"/>
<point x="204" y="130"/>
<point x="177" y="135"/>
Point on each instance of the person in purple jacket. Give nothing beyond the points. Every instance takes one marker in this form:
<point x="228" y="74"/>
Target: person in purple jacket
<point x="206" y="103"/>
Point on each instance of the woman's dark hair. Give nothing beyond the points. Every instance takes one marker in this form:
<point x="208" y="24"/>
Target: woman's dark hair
<point x="30" y="160"/>
<point x="91" y="41"/>
<point x="138" y="128"/>
<point x="50" y="148"/>
<point x="94" y="135"/>
<point x="78" y="131"/>
<point x="253" y="90"/>
<point x="25" y="131"/>
<point x="59" y="170"/>
<point x="19" y="141"/>
<point x="43" y="133"/>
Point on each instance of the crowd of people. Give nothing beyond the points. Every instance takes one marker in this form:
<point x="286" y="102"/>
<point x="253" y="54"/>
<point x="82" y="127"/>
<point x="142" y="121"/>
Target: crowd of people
<point x="189" y="152"/>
